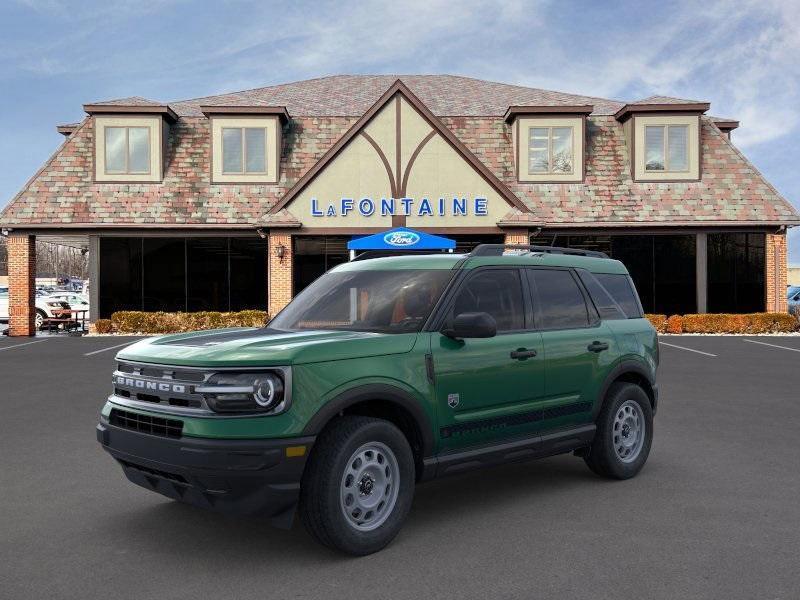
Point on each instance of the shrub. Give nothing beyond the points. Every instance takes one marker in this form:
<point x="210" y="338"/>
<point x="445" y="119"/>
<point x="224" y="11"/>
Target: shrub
<point x="659" y="322"/>
<point x="131" y="321"/>
<point x="674" y="324"/>
<point x="103" y="326"/>
<point x="747" y="323"/>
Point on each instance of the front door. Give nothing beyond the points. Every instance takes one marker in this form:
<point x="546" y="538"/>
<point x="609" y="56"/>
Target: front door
<point x="578" y="347"/>
<point x="485" y="387"/>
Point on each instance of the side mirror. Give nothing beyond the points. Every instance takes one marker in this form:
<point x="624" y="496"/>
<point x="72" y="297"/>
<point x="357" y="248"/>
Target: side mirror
<point x="472" y="325"/>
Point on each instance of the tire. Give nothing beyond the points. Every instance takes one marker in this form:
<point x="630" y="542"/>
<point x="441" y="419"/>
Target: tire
<point x="39" y="318"/>
<point x="615" y="453"/>
<point x="334" y="476"/>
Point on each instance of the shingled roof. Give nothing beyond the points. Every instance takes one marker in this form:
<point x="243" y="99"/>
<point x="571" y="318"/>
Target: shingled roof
<point x="731" y="191"/>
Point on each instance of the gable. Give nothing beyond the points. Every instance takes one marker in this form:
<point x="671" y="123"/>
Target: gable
<point x="399" y="161"/>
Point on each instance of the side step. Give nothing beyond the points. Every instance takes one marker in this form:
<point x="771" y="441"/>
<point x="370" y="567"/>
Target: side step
<point x="539" y="446"/>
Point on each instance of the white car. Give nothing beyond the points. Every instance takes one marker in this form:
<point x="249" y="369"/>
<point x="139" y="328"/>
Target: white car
<point x="47" y="307"/>
<point x="75" y="300"/>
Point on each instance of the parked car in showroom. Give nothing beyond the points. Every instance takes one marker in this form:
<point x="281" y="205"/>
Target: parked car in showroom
<point x="47" y="307"/>
<point x="76" y="301"/>
<point x="793" y="298"/>
<point x="387" y="372"/>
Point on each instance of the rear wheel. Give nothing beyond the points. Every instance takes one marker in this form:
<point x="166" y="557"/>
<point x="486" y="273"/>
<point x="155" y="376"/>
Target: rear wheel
<point x="358" y="486"/>
<point x="39" y="318"/>
<point x="624" y="433"/>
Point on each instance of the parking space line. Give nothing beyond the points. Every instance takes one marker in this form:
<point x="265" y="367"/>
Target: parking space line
<point x="110" y="348"/>
<point x="771" y="345"/>
<point x="20" y="345"/>
<point x="687" y="349"/>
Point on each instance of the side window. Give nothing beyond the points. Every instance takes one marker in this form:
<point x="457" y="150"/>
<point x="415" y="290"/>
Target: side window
<point x="496" y="292"/>
<point x="605" y="304"/>
<point x="621" y="289"/>
<point x="561" y="302"/>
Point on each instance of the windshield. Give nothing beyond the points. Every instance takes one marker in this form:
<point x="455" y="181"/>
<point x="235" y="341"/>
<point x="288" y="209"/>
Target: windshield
<point x="396" y="301"/>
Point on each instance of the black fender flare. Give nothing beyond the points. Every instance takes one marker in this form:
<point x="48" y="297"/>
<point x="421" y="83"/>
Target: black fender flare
<point x="374" y="391"/>
<point x="622" y="368"/>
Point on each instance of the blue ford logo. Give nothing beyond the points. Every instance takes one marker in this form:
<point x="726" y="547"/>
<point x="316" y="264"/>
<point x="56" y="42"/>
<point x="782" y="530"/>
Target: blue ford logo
<point x="401" y="238"/>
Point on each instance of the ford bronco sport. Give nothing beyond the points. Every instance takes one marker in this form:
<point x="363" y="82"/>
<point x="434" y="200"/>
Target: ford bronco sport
<point x="385" y="372"/>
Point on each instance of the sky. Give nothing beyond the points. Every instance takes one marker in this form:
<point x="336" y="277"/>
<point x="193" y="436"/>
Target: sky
<point x="742" y="56"/>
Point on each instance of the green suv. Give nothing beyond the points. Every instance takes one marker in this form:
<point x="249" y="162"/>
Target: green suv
<point x="386" y="372"/>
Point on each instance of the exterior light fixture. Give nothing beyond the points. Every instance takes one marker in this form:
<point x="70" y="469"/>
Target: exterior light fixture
<point x="280" y="252"/>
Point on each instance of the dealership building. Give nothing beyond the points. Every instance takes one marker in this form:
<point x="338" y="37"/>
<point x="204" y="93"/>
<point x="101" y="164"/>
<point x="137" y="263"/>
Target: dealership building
<point x="240" y="200"/>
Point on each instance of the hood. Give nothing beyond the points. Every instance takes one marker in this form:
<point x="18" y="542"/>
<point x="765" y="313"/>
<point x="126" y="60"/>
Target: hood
<point x="239" y="347"/>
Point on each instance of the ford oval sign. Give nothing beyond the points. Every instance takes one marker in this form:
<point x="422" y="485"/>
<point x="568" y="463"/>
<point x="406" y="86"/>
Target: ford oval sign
<point x="401" y="239"/>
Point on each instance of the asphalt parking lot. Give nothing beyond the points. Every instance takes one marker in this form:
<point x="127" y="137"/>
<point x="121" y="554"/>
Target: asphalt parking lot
<point x="714" y="514"/>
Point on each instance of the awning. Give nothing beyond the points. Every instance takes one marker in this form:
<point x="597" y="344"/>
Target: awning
<point x="401" y="238"/>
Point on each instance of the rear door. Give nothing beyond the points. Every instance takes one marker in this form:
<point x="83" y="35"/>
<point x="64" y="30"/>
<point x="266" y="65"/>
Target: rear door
<point x="578" y="347"/>
<point x="486" y="387"/>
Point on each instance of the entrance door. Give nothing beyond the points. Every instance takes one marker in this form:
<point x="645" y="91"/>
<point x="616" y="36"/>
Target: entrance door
<point x="485" y="387"/>
<point x="578" y="347"/>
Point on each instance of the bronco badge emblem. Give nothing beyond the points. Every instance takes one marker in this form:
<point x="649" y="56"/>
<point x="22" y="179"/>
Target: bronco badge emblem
<point x="452" y="400"/>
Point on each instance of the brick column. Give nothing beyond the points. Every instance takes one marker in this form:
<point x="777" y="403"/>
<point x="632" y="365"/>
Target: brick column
<point x="775" y="273"/>
<point x="280" y="271"/>
<point x="517" y="236"/>
<point x="21" y="284"/>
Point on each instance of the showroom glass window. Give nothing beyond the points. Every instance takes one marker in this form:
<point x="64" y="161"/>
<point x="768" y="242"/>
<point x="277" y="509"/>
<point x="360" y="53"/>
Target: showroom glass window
<point x="666" y="148"/>
<point x="182" y="274"/>
<point x="663" y="267"/>
<point x="127" y="150"/>
<point x="244" y="150"/>
<point x="550" y="150"/>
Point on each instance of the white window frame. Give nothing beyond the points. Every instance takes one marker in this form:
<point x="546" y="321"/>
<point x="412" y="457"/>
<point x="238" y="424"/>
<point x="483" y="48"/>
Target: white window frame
<point x="550" y="170"/>
<point x="272" y="132"/>
<point x="127" y="129"/>
<point x="244" y="171"/>
<point x="665" y="148"/>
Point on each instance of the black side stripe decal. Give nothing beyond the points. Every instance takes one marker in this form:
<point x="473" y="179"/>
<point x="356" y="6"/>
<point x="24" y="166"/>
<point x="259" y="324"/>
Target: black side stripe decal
<point x="515" y="420"/>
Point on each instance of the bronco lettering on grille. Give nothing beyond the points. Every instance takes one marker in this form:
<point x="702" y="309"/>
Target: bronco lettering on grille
<point x="144" y="384"/>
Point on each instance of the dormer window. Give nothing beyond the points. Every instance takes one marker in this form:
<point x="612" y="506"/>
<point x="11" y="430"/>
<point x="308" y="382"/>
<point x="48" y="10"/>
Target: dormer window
<point x="127" y="150"/>
<point x="245" y="143"/>
<point x="550" y="150"/>
<point x="548" y="142"/>
<point x="244" y="150"/>
<point x="129" y="140"/>
<point x="666" y="148"/>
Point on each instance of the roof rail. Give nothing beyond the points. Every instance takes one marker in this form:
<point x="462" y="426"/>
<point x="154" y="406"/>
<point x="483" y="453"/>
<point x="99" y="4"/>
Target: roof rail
<point x="499" y="249"/>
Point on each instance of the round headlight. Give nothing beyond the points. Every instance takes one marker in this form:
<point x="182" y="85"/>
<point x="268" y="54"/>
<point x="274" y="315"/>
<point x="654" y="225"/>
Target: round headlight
<point x="264" y="393"/>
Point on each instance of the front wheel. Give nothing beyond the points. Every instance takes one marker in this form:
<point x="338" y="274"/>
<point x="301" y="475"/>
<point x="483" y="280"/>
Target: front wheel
<point x="624" y="433"/>
<point x="357" y="488"/>
<point x="39" y="318"/>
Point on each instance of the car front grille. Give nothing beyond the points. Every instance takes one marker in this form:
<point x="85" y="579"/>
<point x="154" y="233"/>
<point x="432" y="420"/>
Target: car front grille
<point x="161" y="386"/>
<point x="169" y="428"/>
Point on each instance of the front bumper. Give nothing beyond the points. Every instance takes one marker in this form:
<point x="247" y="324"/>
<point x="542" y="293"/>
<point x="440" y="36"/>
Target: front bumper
<point x="249" y="477"/>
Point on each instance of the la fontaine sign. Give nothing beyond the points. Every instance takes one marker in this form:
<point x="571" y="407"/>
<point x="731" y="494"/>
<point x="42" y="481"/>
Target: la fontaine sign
<point x="390" y="207"/>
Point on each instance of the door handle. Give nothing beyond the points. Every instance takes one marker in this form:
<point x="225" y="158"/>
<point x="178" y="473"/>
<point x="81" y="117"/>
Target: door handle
<point x="597" y="346"/>
<point x="522" y="353"/>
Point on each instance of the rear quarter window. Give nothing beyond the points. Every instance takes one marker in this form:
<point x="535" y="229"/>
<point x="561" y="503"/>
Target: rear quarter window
<point x="621" y="289"/>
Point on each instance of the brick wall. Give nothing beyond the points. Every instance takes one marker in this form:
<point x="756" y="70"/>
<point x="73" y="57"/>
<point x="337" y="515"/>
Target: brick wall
<point x="517" y="236"/>
<point x="21" y="284"/>
<point x="776" y="273"/>
<point x="280" y="271"/>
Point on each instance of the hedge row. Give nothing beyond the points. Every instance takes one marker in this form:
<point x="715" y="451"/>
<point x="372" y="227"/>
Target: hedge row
<point x="726" y="323"/>
<point x="131" y="321"/>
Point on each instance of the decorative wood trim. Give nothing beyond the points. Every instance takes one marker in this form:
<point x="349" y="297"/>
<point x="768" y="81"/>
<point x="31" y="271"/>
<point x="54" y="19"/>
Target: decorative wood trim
<point x="384" y="160"/>
<point x="131" y="109"/>
<point x="279" y="111"/>
<point x="629" y="109"/>
<point x="515" y="111"/>
<point x="412" y="158"/>
<point x="399" y="87"/>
